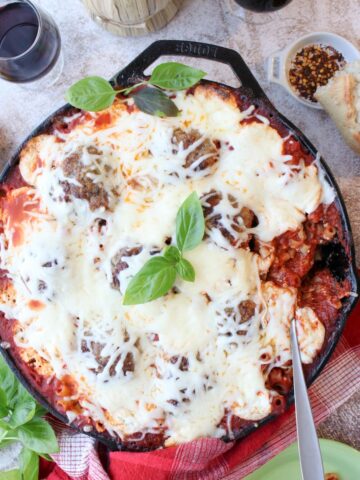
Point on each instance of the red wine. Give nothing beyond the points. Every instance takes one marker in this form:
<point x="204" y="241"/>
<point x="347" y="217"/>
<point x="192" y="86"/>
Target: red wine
<point x="263" y="5"/>
<point x="29" y="42"/>
<point x="20" y="24"/>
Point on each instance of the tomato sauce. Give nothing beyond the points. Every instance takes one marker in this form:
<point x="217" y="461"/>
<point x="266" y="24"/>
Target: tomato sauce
<point x="17" y="207"/>
<point x="103" y="120"/>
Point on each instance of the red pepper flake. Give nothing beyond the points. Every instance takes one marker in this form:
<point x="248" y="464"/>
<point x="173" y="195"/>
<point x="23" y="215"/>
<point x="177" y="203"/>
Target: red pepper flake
<point x="313" y="66"/>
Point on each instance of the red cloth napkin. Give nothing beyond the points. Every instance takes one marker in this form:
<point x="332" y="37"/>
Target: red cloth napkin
<point x="211" y="459"/>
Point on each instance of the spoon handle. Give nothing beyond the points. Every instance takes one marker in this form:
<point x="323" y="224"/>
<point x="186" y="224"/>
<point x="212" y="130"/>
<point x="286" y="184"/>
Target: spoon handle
<point x="308" y="444"/>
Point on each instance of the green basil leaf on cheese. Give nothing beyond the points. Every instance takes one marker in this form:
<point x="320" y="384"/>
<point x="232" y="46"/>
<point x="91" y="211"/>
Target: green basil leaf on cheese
<point x="190" y="223"/>
<point x="172" y="254"/>
<point x="185" y="270"/>
<point x="155" y="279"/>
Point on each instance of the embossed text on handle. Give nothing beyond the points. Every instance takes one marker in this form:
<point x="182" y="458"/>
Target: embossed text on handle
<point x="200" y="50"/>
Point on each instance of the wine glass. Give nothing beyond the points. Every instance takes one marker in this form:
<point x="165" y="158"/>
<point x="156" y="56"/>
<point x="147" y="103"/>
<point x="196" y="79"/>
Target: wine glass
<point x="256" y="11"/>
<point x="30" y="44"/>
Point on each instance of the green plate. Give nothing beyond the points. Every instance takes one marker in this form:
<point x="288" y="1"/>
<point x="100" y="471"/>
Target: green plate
<point x="338" y="458"/>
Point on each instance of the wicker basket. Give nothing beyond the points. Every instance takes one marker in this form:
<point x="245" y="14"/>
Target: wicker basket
<point x="132" y="17"/>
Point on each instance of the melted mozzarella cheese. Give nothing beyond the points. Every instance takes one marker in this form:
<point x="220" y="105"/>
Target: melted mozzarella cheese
<point x="280" y="303"/>
<point x="311" y="333"/>
<point x="193" y="357"/>
<point x="281" y="309"/>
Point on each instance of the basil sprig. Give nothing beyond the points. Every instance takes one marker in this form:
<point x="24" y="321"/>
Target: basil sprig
<point x="158" y="275"/>
<point x="95" y="93"/>
<point x="21" y="421"/>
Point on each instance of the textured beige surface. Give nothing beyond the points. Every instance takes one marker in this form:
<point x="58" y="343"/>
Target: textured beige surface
<point x="90" y="50"/>
<point x="344" y="424"/>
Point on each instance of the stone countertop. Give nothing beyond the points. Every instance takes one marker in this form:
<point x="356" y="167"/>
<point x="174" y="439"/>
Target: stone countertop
<point x="89" y="50"/>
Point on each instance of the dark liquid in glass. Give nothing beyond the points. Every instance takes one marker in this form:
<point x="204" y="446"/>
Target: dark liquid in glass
<point x="263" y="5"/>
<point x="27" y="52"/>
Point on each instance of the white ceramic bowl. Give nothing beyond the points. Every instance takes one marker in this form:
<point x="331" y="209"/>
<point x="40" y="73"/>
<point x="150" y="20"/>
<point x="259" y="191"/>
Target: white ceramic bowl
<point x="279" y="63"/>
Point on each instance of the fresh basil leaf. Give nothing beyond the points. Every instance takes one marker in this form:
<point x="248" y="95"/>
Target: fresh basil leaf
<point x="91" y="94"/>
<point x="185" y="270"/>
<point x="172" y="254"/>
<point x="37" y="435"/>
<point x="3" y="433"/>
<point x="29" y="464"/>
<point x="40" y="411"/>
<point x="8" y="382"/>
<point x="24" y="409"/>
<point x="11" y="475"/>
<point x="3" y="367"/>
<point x="155" y="279"/>
<point x="3" y="404"/>
<point x="159" y="113"/>
<point x="190" y="223"/>
<point x="6" y="442"/>
<point x="3" y="399"/>
<point x="155" y="102"/>
<point x="4" y="425"/>
<point x="175" y="76"/>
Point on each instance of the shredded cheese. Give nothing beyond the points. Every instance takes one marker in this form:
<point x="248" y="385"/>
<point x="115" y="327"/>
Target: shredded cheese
<point x="192" y="355"/>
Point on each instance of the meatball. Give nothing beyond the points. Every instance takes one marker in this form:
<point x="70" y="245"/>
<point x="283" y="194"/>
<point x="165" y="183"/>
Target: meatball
<point x="207" y="149"/>
<point x="94" y="193"/>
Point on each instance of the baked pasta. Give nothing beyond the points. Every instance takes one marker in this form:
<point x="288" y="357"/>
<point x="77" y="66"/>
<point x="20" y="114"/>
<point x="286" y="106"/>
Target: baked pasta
<point x="96" y="195"/>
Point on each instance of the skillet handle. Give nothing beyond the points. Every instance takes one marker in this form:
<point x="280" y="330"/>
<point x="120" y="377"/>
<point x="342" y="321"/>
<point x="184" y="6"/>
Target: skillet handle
<point x="136" y="68"/>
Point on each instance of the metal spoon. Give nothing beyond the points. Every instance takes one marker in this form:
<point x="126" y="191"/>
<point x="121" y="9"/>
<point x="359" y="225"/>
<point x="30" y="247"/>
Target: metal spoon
<point x="308" y="444"/>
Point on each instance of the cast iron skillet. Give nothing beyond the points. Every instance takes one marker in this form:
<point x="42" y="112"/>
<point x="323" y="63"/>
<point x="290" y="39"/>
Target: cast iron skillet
<point x="249" y="87"/>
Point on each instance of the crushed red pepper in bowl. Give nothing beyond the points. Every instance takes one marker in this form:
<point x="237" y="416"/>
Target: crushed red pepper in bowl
<point x="313" y="66"/>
